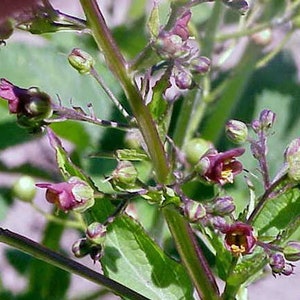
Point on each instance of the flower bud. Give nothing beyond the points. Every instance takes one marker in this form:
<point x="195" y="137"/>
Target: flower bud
<point x="96" y="252"/>
<point x="81" y="248"/>
<point x="124" y="176"/>
<point x="74" y="195"/>
<point x="194" y="211"/>
<point x="80" y="60"/>
<point x="96" y="233"/>
<point x="236" y="131"/>
<point x="267" y="119"/>
<point x="183" y="80"/>
<point x="292" y="158"/>
<point x="195" y="149"/>
<point x="201" y="64"/>
<point x="219" y="223"/>
<point x="291" y="251"/>
<point x="24" y="188"/>
<point x="223" y="206"/>
<point x="277" y="263"/>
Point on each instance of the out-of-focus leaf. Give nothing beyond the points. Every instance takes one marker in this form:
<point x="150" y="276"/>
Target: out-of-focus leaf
<point x="137" y="9"/>
<point x="133" y="259"/>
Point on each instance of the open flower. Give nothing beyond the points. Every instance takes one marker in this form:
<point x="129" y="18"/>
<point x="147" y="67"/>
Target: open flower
<point x="74" y="195"/>
<point x="240" y="239"/>
<point x="220" y="167"/>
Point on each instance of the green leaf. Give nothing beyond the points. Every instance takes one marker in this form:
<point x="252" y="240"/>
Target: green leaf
<point x="133" y="259"/>
<point x="278" y="213"/>
<point x="131" y="155"/>
<point x="153" y="22"/>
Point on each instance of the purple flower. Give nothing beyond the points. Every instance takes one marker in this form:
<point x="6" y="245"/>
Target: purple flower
<point x="220" y="167"/>
<point x="75" y="194"/>
<point x="239" y="239"/>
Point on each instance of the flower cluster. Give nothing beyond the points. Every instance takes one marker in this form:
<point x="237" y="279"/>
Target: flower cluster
<point x="176" y="47"/>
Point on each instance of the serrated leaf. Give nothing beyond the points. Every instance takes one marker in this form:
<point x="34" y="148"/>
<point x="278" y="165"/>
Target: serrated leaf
<point x="134" y="260"/>
<point x="278" y="213"/>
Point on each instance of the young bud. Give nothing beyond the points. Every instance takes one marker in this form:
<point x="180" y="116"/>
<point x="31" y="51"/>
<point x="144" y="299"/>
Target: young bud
<point x="200" y="64"/>
<point x="124" y="176"/>
<point x="96" y="252"/>
<point x="223" y="206"/>
<point x="183" y="80"/>
<point x="195" y="149"/>
<point x="194" y="211"/>
<point x="24" y="188"/>
<point x="267" y="119"/>
<point x="96" y="233"/>
<point x="292" y="158"/>
<point x="81" y="61"/>
<point x="277" y="263"/>
<point x="81" y="248"/>
<point x="236" y="131"/>
<point x="263" y="37"/>
<point x="291" y="251"/>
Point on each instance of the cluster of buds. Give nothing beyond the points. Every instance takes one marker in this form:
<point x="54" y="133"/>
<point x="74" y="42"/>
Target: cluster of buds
<point x="175" y="47"/>
<point x="279" y="265"/>
<point x="92" y="243"/>
<point x="31" y="106"/>
<point x="220" y="167"/>
<point x="73" y="195"/>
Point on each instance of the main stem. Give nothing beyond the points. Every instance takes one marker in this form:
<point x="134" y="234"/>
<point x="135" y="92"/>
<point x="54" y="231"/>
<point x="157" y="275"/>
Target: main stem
<point x="190" y="253"/>
<point x="118" y="66"/>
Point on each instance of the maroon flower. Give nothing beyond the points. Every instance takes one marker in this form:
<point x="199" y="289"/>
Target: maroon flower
<point x="74" y="195"/>
<point x="220" y="167"/>
<point x="239" y="239"/>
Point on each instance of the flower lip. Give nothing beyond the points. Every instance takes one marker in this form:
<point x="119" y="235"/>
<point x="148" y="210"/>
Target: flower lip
<point x="222" y="167"/>
<point x="240" y="239"/>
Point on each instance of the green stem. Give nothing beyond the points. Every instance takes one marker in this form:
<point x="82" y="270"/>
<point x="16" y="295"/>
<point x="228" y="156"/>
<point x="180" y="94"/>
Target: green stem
<point x="118" y="66"/>
<point x="42" y="253"/>
<point x="191" y="255"/>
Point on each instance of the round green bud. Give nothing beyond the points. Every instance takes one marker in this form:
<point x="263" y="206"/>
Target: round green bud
<point x="24" y="188"/>
<point x="80" y="60"/>
<point x="124" y="176"/>
<point x="236" y="131"/>
<point x="195" y="149"/>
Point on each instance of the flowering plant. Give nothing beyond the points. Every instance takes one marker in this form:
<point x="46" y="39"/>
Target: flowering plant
<point x="162" y="201"/>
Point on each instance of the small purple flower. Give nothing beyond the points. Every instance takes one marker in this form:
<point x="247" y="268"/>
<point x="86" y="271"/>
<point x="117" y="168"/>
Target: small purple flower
<point x="75" y="194"/>
<point x="221" y="167"/>
<point x="239" y="239"/>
